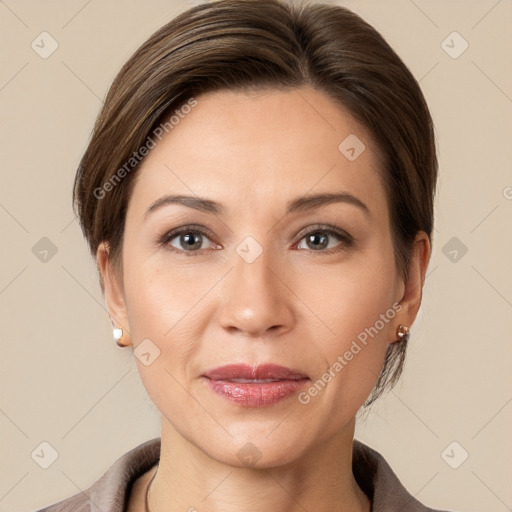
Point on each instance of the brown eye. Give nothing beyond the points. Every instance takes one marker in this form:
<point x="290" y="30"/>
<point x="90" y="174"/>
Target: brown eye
<point x="187" y="239"/>
<point x="318" y="240"/>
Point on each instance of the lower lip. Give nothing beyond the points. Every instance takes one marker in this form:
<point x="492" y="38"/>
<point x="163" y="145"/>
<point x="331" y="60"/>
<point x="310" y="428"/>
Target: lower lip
<point x="257" y="394"/>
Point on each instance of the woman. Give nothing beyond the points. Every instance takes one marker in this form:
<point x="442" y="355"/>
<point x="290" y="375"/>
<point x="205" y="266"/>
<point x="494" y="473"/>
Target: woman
<point x="258" y="195"/>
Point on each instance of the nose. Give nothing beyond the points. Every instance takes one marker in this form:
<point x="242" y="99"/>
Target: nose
<point x="258" y="302"/>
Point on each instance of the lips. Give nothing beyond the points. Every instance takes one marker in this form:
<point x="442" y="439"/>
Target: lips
<point x="255" y="386"/>
<point x="254" y="374"/>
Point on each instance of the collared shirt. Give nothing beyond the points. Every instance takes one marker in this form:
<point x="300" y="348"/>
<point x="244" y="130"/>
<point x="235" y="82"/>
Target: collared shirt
<point x="112" y="491"/>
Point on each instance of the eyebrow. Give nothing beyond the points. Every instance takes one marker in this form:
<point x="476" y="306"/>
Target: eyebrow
<point x="299" y="204"/>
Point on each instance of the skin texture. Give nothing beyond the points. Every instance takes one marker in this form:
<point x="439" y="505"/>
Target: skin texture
<point x="294" y="305"/>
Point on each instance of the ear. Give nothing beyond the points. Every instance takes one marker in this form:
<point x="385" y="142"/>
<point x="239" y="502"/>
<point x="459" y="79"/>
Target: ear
<point x="113" y="290"/>
<point x="413" y="287"/>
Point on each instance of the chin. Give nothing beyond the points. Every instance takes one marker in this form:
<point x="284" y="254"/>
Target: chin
<point x="257" y="450"/>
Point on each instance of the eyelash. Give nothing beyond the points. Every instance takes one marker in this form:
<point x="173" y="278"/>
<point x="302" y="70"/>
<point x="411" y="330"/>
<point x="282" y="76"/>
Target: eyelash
<point x="346" y="239"/>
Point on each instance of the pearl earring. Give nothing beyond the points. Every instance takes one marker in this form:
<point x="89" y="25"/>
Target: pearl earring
<point x="117" y="333"/>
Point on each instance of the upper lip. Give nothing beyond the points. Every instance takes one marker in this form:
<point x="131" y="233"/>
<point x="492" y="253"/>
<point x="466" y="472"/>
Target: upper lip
<point x="255" y="372"/>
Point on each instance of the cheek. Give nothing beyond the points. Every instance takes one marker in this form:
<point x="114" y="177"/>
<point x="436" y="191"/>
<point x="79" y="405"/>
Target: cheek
<point x="350" y="298"/>
<point x="160" y="295"/>
<point x="160" y="308"/>
<point x="171" y="304"/>
<point x="357" y="307"/>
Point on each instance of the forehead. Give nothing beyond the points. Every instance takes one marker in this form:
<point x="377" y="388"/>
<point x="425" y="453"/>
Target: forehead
<point x="262" y="147"/>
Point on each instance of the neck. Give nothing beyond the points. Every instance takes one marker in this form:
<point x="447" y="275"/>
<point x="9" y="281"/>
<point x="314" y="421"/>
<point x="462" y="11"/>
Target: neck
<point x="190" y="480"/>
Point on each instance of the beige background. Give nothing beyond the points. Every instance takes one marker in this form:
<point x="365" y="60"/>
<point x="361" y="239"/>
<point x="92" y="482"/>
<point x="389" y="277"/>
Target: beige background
<point x="64" y="381"/>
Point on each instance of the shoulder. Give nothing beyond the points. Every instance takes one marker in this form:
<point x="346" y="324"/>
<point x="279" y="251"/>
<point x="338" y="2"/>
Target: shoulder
<point x="111" y="491"/>
<point x="380" y="483"/>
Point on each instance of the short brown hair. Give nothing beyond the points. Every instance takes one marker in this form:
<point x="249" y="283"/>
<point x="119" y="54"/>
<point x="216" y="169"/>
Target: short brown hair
<point x="252" y="44"/>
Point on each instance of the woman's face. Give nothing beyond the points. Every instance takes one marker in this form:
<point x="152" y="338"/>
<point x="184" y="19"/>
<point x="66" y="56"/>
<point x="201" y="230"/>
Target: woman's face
<point x="266" y="276"/>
